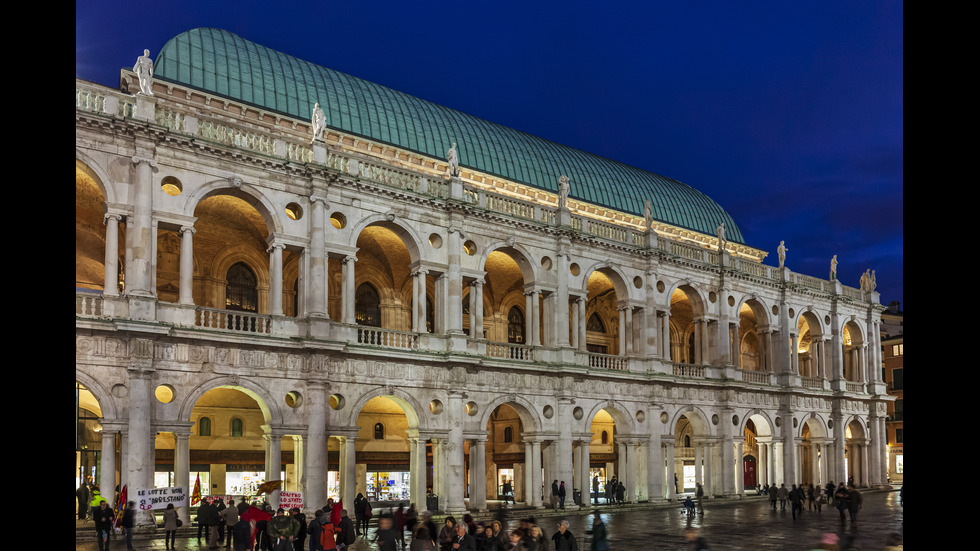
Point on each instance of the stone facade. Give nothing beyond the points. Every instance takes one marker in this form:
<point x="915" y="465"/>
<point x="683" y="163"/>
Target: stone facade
<point x="217" y="248"/>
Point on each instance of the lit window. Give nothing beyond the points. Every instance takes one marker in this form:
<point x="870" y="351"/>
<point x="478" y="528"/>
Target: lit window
<point x="379" y="431"/>
<point x="204" y="426"/>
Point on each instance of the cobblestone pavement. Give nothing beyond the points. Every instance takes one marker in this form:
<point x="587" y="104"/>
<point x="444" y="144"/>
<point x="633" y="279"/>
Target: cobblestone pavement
<point x="747" y="524"/>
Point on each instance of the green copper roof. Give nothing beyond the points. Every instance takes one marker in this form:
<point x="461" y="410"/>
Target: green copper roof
<point x="226" y="64"/>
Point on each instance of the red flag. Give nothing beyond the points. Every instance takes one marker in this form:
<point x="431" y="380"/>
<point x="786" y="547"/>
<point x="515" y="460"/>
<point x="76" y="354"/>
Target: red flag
<point x="196" y="494"/>
<point x="120" y="508"/>
<point x="252" y="515"/>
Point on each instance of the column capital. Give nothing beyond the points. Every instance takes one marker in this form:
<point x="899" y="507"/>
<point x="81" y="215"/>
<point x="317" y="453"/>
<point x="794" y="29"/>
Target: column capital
<point x="185" y="229"/>
<point x="112" y="216"/>
<point x="137" y="159"/>
<point x="477" y="283"/>
<point x="420" y="271"/>
<point x="275" y="245"/>
<point x="349" y="258"/>
<point x="317" y="198"/>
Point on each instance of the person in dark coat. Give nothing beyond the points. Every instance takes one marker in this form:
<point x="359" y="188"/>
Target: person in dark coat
<point x="360" y="503"/>
<point x="82" y="494"/>
<point x="621" y="493"/>
<point x="561" y="495"/>
<point x="129" y="516"/>
<point x="564" y="539"/>
<point x="103" y="524"/>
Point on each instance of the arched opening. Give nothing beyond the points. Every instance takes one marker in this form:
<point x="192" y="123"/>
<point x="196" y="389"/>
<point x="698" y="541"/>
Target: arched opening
<point x="757" y="453"/>
<point x="508" y="319"/>
<point x="856" y="460"/>
<point x="383" y="463"/>
<point x="809" y="346"/>
<point x="88" y="446"/>
<point x="814" y="463"/>
<point x="753" y="336"/>
<point x="505" y="461"/>
<point x="854" y="353"/>
<point x="90" y="234"/>
<point x="688" y="331"/>
<point x="231" y="262"/>
<point x="226" y="447"/>
<point x="691" y="453"/>
<point x="602" y="315"/>
<point x="604" y="458"/>
<point x="383" y="273"/>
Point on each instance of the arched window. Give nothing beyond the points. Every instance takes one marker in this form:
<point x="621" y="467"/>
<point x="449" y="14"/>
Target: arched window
<point x="595" y="324"/>
<point x="241" y="291"/>
<point x="605" y="437"/>
<point x="379" y="431"/>
<point x="237" y="428"/>
<point x="515" y="326"/>
<point x="367" y="306"/>
<point x="687" y="440"/>
<point x="508" y="434"/>
<point x="204" y="426"/>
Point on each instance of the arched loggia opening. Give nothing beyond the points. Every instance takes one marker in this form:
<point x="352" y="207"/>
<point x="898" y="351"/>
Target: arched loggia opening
<point x="688" y="327"/>
<point x="384" y="460"/>
<point x="758" y="454"/>
<point x="811" y="352"/>
<point x="814" y="453"/>
<point x="692" y="453"/>
<point x="754" y="338"/>
<point x="90" y="444"/>
<point x="512" y="305"/>
<point x="604" y="475"/>
<point x="854" y="353"/>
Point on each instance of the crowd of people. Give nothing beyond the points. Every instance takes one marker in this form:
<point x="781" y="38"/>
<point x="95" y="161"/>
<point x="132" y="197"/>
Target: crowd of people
<point x="844" y="497"/>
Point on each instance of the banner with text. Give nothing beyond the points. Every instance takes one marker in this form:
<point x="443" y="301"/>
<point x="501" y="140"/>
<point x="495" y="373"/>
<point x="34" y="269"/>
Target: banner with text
<point x="159" y="498"/>
<point x="288" y="500"/>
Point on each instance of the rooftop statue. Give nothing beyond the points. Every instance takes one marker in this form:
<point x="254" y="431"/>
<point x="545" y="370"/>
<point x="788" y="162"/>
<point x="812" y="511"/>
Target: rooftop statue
<point x="781" y="251"/>
<point x="144" y="70"/>
<point x="833" y="268"/>
<point x="647" y="215"/>
<point x="721" y="236"/>
<point x="873" y="282"/>
<point x="319" y="122"/>
<point x="453" y="160"/>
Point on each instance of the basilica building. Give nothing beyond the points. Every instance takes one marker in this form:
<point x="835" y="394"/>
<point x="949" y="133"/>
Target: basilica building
<point x="283" y="272"/>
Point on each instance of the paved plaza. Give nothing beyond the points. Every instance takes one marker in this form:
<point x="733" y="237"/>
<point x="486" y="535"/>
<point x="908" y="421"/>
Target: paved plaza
<point x="746" y="524"/>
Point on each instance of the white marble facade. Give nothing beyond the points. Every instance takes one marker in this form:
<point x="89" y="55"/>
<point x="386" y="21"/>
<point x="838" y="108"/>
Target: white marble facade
<point x="178" y="187"/>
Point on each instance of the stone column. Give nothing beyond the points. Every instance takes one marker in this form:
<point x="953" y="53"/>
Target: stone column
<point x="709" y="482"/>
<point x="478" y="474"/>
<point x="347" y="302"/>
<point x="275" y="278"/>
<point x="582" y="322"/>
<point x="655" y="470"/>
<point x="627" y="330"/>
<point x="671" y="471"/>
<point x="316" y="463"/>
<point x="107" y="466"/>
<point x="622" y="331"/>
<point x="186" y="265"/>
<point x="586" y="481"/>
<point x="453" y="296"/>
<point x="273" y="461"/>
<point x="476" y="309"/>
<point x="728" y="475"/>
<point x="740" y="468"/>
<point x="864" y="480"/>
<point x="418" y="471"/>
<point x="698" y="462"/>
<point x="418" y="305"/>
<point x="573" y="338"/>
<point x="563" y="445"/>
<point x="182" y="469"/>
<point x="630" y="471"/>
<point x="138" y="472"/>
<point x="455" y="474"/>
<point x="348" y="469"/>
<point x="111" y="284"/>
<point x="299" y="471"/>
<point x="794" y="354"/>
<point x="778" y="460"/>
<point x="439" y="470"/>
<point x="319" y="288"/>
<point x="665" y="340"/>
<point x="533" y="318"/>
<point x="439" y="310"/>
<point x="536" y="473"/>
<point x="140" y="238"/>
<point x="814" y="463"/>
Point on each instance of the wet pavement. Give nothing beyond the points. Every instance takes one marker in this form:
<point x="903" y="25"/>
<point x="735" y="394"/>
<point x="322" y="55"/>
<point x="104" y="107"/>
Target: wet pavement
<point x="726" y="524"/>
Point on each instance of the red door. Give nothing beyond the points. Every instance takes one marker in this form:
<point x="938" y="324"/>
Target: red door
<point x="749" y="475"/>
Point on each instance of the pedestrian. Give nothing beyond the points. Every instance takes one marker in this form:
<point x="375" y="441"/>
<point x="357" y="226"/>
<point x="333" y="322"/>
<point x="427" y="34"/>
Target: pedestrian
<point x="127" y="523"/>
<point x="853" y="503"/>
<point x="820" y="499"/>
<point x="599" y="541"/>
<point x="561" y="494"/>
<point x="360" y="504"/>
<point x="446" y="534"/>
<point x="811" y="498"/>
<point x="170" y="527"/>
<point x="782" y="494"/>
<point x="840" y="498"/>
<point x="595" y="488"/>
<point x="773" y="496"/>
<point x="621" y="493"/>
<point x="242" y="531"/>
<point x="829" y="492"/>
<point x="564" y="539"/>
<point x="301" y="535"/>
<point x="229" y="517"/>
<point x="422" y="541"/>
<point x="796" y="500"/>
<point x="694" y="541"/>
<point x="539" y="542"/>
<point x="346" y="534"/>
<point x="82" y="495"/>
<point x="689" y="506"/>
<point x="699" y="492"/>
<point x="462" y="540"/>
<point x="554" y="494"/>
<point x="96" y="499"/>
<point x="314" y="530"/>
<point x="385" y="537"/>
<point x="103" y="524"/>
<point x="283" y="530"/>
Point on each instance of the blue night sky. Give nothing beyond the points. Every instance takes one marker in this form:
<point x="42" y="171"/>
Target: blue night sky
<point x="788" y="114"/>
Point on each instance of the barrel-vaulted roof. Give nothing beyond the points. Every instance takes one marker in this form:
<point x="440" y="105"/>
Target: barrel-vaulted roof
<point x="225" y="64"/>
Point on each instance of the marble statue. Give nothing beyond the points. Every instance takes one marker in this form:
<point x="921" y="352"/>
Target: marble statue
<point x="319" y="122"/>
<point x="144" y="71"/>
<point x="453" y="160"/>
<point x="563" y="189"/>
<point x="721" y="236"/>
<point x="781" y="251"/>
<point x="833" y="268"/>
<point x="873" y="281"/>
<point x="866" y="279"/>
<point x="647" y="215"/>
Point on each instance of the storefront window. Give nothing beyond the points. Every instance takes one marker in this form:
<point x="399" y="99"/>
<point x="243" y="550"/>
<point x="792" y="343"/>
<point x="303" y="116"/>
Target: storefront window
<point x="688" y="481"/>
<point x="388" y="486"/>
<point x="899" y="466"/>
<point x="505" y="483"/>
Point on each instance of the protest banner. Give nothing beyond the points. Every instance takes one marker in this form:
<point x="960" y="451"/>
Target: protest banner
<point x="159" y="498"/>
<point x="288" y="500"/>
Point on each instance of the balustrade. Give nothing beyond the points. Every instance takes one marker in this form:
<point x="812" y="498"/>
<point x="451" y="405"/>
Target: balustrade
<point x="811" y="382"/>
<point x="688" y="370"/>
<point x="89" y="305"/>
<point x="760" y="377"/>
<point x="387" y="338"/>
<point x="232" y="321"/>
<point x="854" y="387"/>
<point x="509" y="351"/>
<point x="608" y="361"/>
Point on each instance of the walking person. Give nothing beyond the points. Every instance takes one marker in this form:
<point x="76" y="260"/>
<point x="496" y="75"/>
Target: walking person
<point x="796" y="500"/>
<point x="554" y="493"/>
<point x="699" y="492"/>
<point x="773" y="496"/>
<point x="170" y="526"/>
<point x="564" y="539"/>
<point x="103" y="524"/>
<point x="561" y="494"/>
<point x="599" y="541"/>
<point x="853" y="503"/>
<point x="127" y="523"/>
<point x="595" y="488"/>
<point x="840" y="499"/>
<point x="783" y="495"/>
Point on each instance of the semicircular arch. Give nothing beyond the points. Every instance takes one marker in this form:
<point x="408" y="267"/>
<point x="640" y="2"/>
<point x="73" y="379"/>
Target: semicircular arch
<point x="614" y="274"/>
<point x="270" y="409"/>
<point x="247" y="193"/>
<point x="97" y="173"/>
<point x="619" y="412"/>
<point x="406" y="233"/>
<point x="526" y="411"/>
<point x="518" y="253"/>
<point x="106" y="403"/>
<point x="408" y="403"/>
